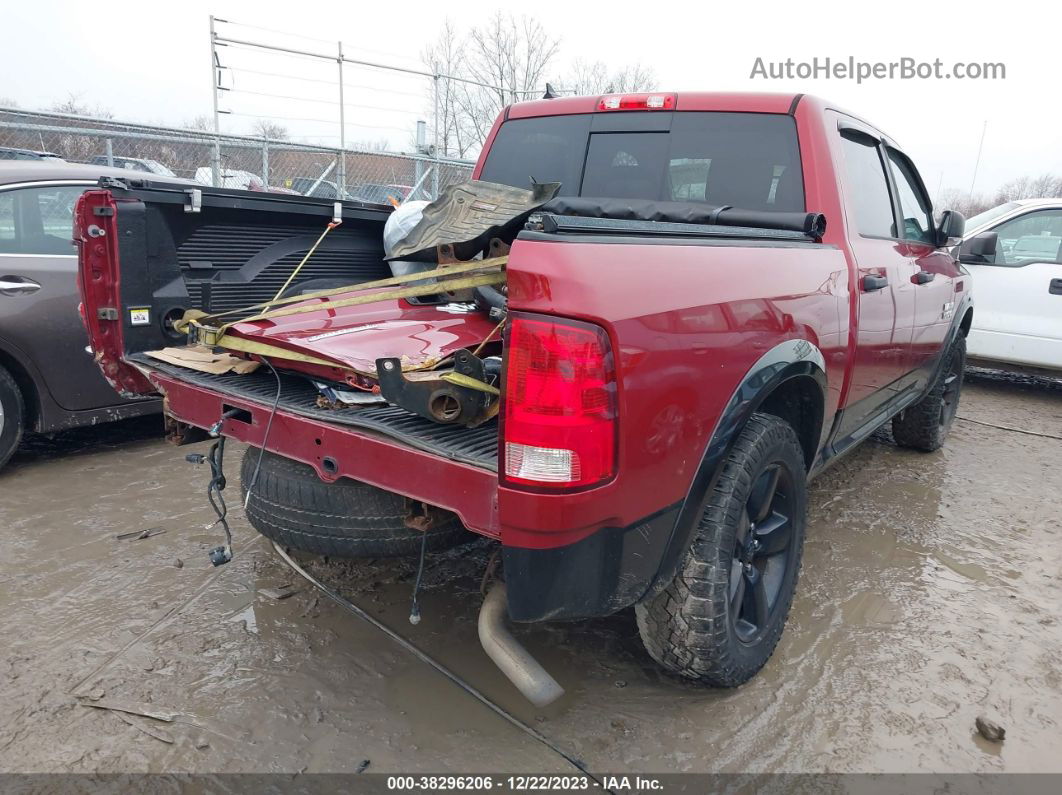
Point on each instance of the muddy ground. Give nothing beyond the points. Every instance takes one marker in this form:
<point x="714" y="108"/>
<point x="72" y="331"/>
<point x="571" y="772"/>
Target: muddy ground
<point x="930" y="594"/>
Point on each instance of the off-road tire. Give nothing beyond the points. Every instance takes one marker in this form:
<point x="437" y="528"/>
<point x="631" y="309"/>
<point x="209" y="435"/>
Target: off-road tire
<point x="345" y="519"/>
<point x="925" y="425"/>
<point x="12" y="416"/>
<point x="690" y="628"/>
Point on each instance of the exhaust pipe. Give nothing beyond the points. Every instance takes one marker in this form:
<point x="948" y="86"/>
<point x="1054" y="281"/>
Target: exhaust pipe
<point x="514" y="660"/>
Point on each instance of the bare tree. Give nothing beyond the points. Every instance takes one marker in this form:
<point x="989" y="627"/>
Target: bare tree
<point x="1026" y="187"/>
<point x="200" y="123"/>
<point x="1046" y="186"/>
<point x="8" y="102"/>
<point x="503" y="60"/>
<point x="586" y="78"/>
<point x="444" y="57"/>
<point x="370" y="145"/>
<point x="1015" y="189"/>
<point x="510" y="56"/>
<point x="597" y="78"/>
<point x="962" y="201"/>
<point x="75" y="106"/>
<point x="267" y="128"/>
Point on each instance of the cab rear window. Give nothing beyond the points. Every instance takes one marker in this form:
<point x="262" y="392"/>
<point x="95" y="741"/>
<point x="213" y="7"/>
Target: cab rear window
<point x="747" y="160"/>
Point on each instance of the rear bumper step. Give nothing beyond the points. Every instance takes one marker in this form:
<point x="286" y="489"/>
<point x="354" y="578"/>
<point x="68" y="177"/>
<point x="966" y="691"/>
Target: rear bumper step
<point x="336" y="450"/>
<point x="475" y="446"/>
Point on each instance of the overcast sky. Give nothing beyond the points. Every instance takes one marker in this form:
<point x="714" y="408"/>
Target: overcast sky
<point x="149" y="61"/>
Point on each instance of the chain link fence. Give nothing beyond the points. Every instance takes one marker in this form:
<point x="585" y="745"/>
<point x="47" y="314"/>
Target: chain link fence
<point x="230" y="161"/>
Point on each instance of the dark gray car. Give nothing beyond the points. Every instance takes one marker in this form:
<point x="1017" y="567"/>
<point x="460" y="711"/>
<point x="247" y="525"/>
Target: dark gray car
<point x="48" y="380"/>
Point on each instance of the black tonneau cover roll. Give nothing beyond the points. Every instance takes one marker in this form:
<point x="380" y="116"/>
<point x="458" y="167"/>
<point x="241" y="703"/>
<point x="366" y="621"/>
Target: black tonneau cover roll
<point x="811" y="224"/>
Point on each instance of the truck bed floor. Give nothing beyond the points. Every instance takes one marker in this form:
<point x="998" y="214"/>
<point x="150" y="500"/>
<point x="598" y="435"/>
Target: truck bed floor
<point x="476" y="446"/>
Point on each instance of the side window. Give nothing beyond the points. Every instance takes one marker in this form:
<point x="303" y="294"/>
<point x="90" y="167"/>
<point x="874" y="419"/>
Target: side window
<point x="868" y="189"/>
<point x="7" y="220"/>
<point x="1035" y="237"/>
<point x="38" y="220"/>
<point x="917" y="213"/>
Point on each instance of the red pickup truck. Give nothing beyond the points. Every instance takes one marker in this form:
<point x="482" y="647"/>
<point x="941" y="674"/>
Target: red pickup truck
<point x="728" y="293"/>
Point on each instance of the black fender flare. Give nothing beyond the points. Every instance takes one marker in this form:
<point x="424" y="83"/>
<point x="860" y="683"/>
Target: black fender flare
<point x="796" y="358"/>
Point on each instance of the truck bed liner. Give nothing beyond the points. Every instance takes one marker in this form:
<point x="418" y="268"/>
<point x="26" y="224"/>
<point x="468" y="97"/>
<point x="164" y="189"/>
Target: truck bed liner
<point x="475" y="446"/>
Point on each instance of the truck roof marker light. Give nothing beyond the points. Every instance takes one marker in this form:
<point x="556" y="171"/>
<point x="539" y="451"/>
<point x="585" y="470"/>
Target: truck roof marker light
<point x="559" y="421"/>
<point x="637" y="102"/>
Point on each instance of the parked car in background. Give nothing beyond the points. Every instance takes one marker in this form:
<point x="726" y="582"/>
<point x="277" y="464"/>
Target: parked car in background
<point x="230" y="178"/>
<point x="135" y="164"/>
<point x="318" y="188"/>
<point x="235" y="178"/>
<point x="11" y="153"/>
<point x="48" y="381"/>
<point x="1014" y="254"/>
<point x="380" y="194"/>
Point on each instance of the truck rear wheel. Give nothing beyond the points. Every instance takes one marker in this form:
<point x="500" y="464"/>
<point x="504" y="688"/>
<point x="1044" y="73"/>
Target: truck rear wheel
<point x="345" y="519"/>
<point x="720" y="619"/>
<point x="925" y="425"/>
<point x="12" y="415"/>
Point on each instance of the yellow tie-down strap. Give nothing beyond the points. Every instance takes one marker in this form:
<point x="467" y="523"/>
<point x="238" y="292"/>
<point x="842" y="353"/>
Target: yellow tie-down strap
<point x="211" y="335"/>
<point x="229" y="342"/>
<point x="494" y="263"/>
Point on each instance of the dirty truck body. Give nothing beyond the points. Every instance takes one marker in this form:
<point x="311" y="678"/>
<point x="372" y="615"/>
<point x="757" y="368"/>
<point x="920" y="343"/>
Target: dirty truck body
<point x="642" y="354"/>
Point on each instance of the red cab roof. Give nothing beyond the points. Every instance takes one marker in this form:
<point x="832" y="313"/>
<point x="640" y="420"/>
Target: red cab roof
<point x="737" y="102"/>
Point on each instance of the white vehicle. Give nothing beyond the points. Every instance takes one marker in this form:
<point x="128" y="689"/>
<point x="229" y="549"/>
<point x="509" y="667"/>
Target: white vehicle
<point x="1014" y="254"/>
<point x="230" y="178"/>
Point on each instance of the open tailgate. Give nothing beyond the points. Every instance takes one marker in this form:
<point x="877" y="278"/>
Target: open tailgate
<point x="149" y="254"/>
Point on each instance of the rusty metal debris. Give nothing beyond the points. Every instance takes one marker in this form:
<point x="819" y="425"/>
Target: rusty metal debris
<point x="421" y="516"/>
<point x="429" y="393"/>
<point x="466" y="216"/>
<point x="181" y="433"/>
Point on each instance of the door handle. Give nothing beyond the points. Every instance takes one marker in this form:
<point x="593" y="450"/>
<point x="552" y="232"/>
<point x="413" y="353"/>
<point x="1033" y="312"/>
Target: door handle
<point x="873" y="281"/>
<point x="1056" y="287"/>
<point x="923" y="277"/>
<point x="17" y="285"/>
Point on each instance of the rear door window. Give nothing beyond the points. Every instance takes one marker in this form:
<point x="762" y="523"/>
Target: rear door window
<point x="38" y="220"/>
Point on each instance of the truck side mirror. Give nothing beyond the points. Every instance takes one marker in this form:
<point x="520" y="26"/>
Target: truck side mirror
<point x="952" y="225"/>
<point x="979" y="249"/>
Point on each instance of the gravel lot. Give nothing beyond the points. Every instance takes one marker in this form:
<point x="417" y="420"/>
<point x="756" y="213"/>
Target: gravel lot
<point x="930" y="595"/>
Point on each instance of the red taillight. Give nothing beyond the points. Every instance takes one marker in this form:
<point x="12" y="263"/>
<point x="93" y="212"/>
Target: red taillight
<point x="559" y="423"/>
<point x="636" y="102"/>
